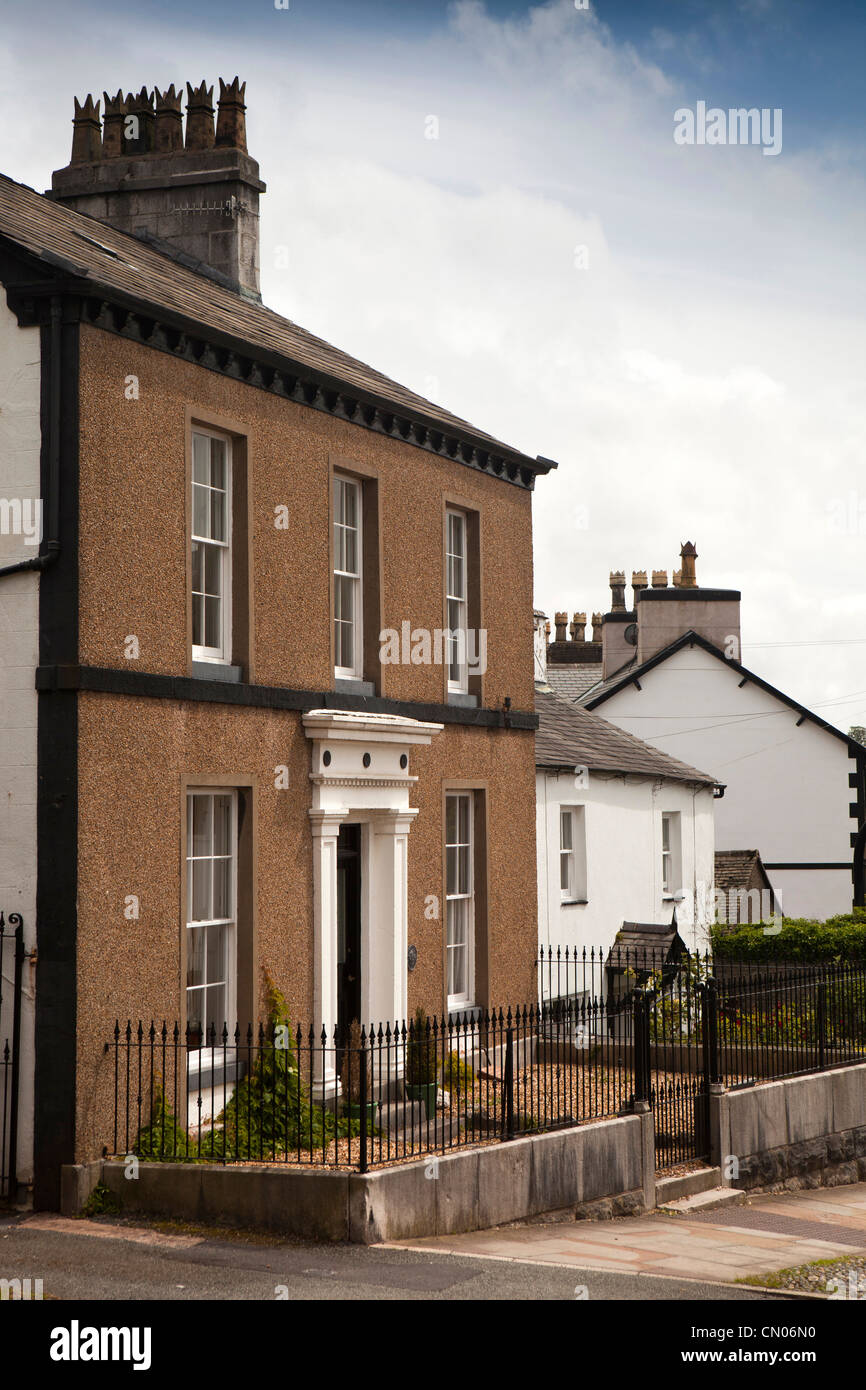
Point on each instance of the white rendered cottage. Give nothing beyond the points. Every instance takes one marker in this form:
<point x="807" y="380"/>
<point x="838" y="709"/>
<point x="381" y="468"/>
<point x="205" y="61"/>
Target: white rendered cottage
<point x="624" y="833"/>
<point x="795" y="786"/>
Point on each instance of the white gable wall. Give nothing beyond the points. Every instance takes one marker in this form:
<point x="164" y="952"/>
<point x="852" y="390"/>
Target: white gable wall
<point x="20" y="435"/>
<point x="623" y="819"/>
<point x="787" y="791"/>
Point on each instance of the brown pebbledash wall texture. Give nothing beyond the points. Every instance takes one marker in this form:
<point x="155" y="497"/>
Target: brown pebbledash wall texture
<point x="133" y="529"/>
<point x="136" y="754"/>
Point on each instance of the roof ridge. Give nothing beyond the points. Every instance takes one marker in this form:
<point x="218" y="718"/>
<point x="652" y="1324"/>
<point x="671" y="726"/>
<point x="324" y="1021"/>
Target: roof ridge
<point x="706" y="645"/>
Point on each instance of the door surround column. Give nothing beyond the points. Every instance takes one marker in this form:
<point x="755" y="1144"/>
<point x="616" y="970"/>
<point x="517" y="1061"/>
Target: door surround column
<point x="360" y="772"/>
<point x="325" y="826"/>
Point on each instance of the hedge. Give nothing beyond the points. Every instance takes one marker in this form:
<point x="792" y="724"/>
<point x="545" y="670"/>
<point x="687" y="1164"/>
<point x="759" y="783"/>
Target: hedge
<point x="839" y="938"/>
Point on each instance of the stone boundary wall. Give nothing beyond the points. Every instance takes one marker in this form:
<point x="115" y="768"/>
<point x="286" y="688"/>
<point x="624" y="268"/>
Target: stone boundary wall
<point x="465" y="1191"/>
<point x="805" y="1132"/>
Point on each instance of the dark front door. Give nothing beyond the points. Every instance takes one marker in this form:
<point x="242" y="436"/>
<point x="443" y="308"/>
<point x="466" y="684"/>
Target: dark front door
<point x="348" y="926"/>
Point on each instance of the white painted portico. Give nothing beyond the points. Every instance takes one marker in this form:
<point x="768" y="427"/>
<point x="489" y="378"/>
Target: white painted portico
<point x="360" y="775"/>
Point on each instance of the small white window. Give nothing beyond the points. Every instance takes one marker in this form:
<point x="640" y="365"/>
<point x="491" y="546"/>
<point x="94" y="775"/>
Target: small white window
<point x="211" y="918"/>
<point x="671" y="854"/>
<point x="211" y="546"/>
<point x="572" y="854"/>
<point x="348" y="626"/>
<point x="456" y="590"/>
<point x="460" y="900"/>
<point x="566" y="853"/>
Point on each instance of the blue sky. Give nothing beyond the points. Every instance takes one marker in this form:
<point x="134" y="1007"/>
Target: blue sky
<point x="699" y="376"/>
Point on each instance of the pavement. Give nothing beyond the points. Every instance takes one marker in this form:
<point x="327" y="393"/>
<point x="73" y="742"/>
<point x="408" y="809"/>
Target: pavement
<point x="767" y="1233"/>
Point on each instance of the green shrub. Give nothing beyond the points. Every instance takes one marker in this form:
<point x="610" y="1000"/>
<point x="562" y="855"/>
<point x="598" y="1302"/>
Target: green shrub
<point x="163" y="1137"/>
<point x="676" y="1008"/>
<point x="270" y="1113"/>
<point x="789" y="1024"/>
<point x="420" y="1052"/>
<point x="457" y="1075"/>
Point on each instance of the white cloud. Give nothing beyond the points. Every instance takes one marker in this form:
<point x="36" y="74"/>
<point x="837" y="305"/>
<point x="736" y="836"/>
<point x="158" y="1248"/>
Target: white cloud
<point x="701" y="379"/>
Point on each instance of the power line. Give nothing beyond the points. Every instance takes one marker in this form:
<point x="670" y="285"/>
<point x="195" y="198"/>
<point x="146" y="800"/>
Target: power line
<point x="822" y="642"/>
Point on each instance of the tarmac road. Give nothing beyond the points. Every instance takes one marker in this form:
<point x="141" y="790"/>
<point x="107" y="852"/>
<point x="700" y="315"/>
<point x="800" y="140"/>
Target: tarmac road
<point x="114" y="1261"/>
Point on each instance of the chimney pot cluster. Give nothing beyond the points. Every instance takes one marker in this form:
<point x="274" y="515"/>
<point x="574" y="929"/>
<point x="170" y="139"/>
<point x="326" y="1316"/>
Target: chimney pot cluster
<point x="576" y="630"/>
<point x="152" y="122"/>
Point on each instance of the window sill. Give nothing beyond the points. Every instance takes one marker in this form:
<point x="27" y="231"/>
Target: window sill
<point x="459" y="697"/>
<point x="216" y="671"/>
<point x="464" y="1013"/>
<point x="347" y="685"/>
<point x="574" y="902"/>
<point x="212" y="1068"/>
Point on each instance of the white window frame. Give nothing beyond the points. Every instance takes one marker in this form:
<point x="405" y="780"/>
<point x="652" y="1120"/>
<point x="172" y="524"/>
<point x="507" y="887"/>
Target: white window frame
<point x="574" y="855"/>
<point x="204" y="1057"/>
<point x="466" y="998"/>
<point x="566" y="853"/>
<point x="221" y="654"/>
<point x="671" y="854"/>
<point x="356" y="670"/>
<point x="457" y="601"/>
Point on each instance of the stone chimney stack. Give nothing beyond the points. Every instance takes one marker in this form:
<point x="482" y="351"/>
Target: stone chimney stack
<point x="576" y="649"/>
<point x="666" y="614"/>
<point x="194" y="194"/>
<point x="616" y="626"/>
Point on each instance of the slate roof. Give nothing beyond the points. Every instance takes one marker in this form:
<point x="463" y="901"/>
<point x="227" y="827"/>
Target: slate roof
<point x="738" y="868"/>
<point x="602" y="687"/>
<point x="655" y="939"/>
<point x="569" y="736"/>
<point x="573" y="681"/>
<point x="85" y="248"/>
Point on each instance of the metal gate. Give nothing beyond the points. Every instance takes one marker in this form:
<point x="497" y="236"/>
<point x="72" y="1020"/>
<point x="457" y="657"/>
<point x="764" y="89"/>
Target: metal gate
<point x="11" y="970"/>
<point x="676" y="1059"/>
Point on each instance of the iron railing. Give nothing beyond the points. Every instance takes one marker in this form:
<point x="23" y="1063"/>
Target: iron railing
<point x="382" y="1093"/>
<point x="277" y="1094"/>
<point x="772" y="1025"/>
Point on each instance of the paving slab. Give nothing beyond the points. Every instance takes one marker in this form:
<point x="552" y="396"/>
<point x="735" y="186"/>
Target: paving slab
<point x="769" y="1232"/>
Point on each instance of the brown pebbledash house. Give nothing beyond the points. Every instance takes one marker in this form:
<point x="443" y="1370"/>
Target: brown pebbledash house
<point x="267" y="689"/>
